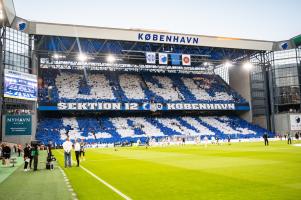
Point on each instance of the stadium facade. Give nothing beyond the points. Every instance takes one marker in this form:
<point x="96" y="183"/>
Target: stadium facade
<point x="52" y="71"/>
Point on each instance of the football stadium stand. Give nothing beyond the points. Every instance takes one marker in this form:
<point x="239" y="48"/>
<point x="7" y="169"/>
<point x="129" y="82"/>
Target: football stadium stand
<point x="71" y="86"/>
<point x="116" y="129"/>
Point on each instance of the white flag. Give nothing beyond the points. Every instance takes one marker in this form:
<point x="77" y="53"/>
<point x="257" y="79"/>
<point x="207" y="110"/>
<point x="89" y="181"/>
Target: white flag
<point x="150" y="57"/>
<point x="163" y="58"/>
<point x="186" y="60"/>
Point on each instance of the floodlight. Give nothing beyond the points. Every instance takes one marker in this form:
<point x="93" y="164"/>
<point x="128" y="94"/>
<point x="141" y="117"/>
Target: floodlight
<point x="247" y="66"/>
<point x="82" y="57"/>
<point x="228" y="64"/>
<point x="1" y="14"/>
<point x="111" y="58"/>
<point x="56" y="56"/>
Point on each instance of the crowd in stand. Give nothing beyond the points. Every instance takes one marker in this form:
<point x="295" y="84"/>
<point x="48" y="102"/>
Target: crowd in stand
<point x="18" y="112"/>
<point x="73" y="86"/>
<point x="110" y="130"/>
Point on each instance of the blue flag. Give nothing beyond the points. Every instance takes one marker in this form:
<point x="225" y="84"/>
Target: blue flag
<point x="175" y="59"/>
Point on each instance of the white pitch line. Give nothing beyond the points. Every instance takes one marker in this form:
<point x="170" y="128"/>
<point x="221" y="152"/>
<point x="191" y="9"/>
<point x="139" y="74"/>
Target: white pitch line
<point x="106" y="184"/>
<point x="103" y="182"/>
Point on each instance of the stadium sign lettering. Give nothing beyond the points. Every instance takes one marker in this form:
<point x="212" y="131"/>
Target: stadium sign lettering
<point x="143" y="106"/>
<point x="89" y="106"/>
<point x="148" y="37"/>
<point x="18" y="120"/>
<point x="197" y="106"/>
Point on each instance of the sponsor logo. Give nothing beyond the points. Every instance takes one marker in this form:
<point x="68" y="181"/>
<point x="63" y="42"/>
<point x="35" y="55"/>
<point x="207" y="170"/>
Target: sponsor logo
<point x="163" y="59"/>
<point x="21" y="26"/>
<point x="284" y="45"/>
<point x="150" y="58"/>
<point x="186" y="59"/>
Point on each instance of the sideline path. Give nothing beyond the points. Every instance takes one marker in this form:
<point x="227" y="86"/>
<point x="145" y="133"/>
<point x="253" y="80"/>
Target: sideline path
<point x="40" y="185"/>
<point x="6" y="171"/>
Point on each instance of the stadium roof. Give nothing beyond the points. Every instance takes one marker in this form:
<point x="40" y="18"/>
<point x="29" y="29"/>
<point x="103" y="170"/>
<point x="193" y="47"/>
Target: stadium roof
<point x="141" y="35"/>
<point x="133" y="35"/>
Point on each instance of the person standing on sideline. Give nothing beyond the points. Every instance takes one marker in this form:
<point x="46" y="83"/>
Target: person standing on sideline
<point x="289" y="138"/>
<point x="67" y="146"/>
<point x="30" y="157"/>
<point x="77" y="151"/>
<point x="82" y="150"/>
<point x="19" y="150"/>
<point x="15" y="149"/>
<point x="27" y="155"/>
<point x="265" y="137"/>
<point x="6" y="151"/>
<point x="229" y="139"/>
<point x="35" y="155"/>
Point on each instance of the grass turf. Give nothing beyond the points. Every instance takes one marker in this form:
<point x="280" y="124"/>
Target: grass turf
<point x="238" y="171"/>
<point x="6" y="171"/>
<point x="40" y="185"/>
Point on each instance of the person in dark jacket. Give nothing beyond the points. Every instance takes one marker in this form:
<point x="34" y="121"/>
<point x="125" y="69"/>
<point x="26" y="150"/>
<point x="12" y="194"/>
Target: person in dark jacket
<point x="289" y="138"/>
<point x="6" y="151"/>
<point x="266" y="141"/>
<point x="19" y="150"/>
<point x="35" y="155"/>
<point x="27" y="155"/>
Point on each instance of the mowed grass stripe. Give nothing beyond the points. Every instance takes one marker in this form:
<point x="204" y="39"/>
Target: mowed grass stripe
<point x="102" y="181"/>
<point x="187" y="180"/>
<point x="136" y="172"/>
<point x="85" y="185"/>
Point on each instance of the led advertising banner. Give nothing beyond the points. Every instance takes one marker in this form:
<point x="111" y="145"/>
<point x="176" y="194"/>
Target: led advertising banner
<point x="20" y="85"/>
<point x="144" y="106"/>
<point x="18" y="125"/>
<point x="295" y="121"/>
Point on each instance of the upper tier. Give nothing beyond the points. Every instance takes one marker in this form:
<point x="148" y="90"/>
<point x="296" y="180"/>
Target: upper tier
<point x="71" y="86"/>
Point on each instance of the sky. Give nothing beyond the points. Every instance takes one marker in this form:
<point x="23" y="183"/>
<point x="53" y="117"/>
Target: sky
<point x="273" y="20"/>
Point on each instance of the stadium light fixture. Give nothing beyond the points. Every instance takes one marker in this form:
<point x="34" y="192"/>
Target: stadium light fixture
<point x="1" y="14"/>
<point x="82" y="57"/>
<point x="247" y="66"/>
<point x="57" y="56"/>
<point x="228" y="64"/>
<point x="111" y="58"/>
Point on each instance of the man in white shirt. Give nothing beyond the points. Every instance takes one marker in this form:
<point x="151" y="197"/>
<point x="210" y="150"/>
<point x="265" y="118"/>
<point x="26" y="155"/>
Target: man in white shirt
<point x="77" y="151"/>
<point x="67" y="146"/>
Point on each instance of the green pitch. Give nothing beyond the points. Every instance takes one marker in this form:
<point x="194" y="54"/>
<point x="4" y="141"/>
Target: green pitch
<point x="238" y="171"/>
